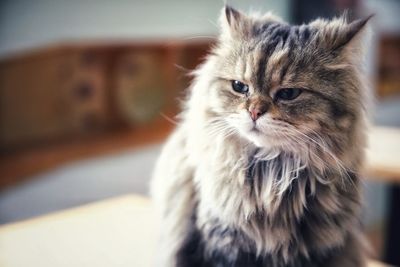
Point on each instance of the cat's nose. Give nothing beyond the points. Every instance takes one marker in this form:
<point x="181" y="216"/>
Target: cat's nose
<point x="257" y="109"/>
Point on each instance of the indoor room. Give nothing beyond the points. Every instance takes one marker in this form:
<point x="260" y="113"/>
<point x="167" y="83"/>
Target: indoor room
<point x="91" y="91"/>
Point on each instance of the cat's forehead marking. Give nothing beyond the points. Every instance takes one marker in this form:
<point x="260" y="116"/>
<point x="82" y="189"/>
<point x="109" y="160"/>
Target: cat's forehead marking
<point x="275" y="67"/>
<point x="252" y="61"/>
<point x="249" y="67"/>
<point x="240" y="68"/>
<point x="280" y="43"/>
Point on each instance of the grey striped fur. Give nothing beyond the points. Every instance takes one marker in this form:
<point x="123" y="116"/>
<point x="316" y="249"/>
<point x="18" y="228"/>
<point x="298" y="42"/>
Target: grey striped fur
<point x="287" y="195"/>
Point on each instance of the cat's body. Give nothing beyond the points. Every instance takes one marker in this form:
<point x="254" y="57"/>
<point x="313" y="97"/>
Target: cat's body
<point x="255" y="177"/>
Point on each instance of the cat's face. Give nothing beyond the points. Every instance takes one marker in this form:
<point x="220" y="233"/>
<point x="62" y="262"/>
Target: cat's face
<point x="278" y="85"/>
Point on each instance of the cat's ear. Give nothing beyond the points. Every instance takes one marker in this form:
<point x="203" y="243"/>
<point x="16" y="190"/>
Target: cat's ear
<point x="338" y="35"/>
<point x="234" y="23"/>
<point x="351" y="32"/>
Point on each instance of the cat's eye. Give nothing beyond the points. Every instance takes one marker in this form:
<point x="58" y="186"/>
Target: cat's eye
<point x="288" y="93"/>
<point x="240" y="87"/>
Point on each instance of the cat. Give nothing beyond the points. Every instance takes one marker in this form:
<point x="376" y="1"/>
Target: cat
<point x="263" y="166"/>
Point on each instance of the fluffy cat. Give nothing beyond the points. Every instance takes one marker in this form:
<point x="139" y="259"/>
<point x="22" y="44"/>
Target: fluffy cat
<point x="263" y="167"/>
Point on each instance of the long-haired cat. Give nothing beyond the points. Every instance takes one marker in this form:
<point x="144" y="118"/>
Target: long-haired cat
<point x="263" y="167"/>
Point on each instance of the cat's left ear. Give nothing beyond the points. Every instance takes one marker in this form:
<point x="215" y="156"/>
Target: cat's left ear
<point x="352" y="32"/>
<point x="234" y="24"/>
<point x="338" y="35"/>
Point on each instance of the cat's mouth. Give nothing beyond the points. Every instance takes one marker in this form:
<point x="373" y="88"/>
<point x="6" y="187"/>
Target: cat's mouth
<point x="260" y="132"/>
<point x="254" y="129"/>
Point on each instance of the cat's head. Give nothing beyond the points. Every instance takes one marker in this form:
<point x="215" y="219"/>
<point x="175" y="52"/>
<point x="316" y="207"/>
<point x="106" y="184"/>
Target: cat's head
<point x="278" y="85"/>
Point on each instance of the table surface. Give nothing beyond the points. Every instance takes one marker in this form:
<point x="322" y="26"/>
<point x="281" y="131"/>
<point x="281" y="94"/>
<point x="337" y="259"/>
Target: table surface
<point x="383" y="154"/>
<point x="116" y="232"/>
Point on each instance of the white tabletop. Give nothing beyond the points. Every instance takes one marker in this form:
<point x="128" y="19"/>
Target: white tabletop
<point x="383" y="154"/>
<point x="119" y="232"/>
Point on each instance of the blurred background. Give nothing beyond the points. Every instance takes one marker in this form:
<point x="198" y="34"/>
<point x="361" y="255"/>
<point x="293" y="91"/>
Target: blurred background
<point x="89" y="90"/>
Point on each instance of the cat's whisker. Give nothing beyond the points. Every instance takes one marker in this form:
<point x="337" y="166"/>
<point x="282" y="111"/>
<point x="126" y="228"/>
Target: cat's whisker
<point x="322" y="144"/>
<point x="182" y="68"/>
<point x="218" y="127"/>
<point x="168" y="118"/>
<point x="213" y="23"/>
<point x="292" y="133"/>
<point x="200" y="37"/>
<point x="343" y="171"/>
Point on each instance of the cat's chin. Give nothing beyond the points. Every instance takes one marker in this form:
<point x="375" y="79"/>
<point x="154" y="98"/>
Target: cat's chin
<point x="259" y="137"/>
<point x="261" y="140"/>
<point x="267" y="141"/>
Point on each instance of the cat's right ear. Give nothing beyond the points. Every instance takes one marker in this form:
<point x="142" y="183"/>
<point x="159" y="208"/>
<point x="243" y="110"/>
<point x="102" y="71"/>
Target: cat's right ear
<point x="234" y="24"/>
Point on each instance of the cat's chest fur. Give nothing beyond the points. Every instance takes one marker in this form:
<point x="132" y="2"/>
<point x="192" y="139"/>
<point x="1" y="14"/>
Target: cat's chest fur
<point x="241" y="208"/>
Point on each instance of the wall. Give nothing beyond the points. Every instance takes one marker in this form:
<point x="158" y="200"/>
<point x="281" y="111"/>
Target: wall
<point x="28" y="24"/>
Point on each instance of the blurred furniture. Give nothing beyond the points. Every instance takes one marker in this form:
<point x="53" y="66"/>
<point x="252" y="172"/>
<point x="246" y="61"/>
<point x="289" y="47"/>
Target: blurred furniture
<point x="65" y="91"/>
<point x="389" y="66"/>
<point x="383" y="162"/>
<point x="84" y="95"/>
<point x="116" y="232"/>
